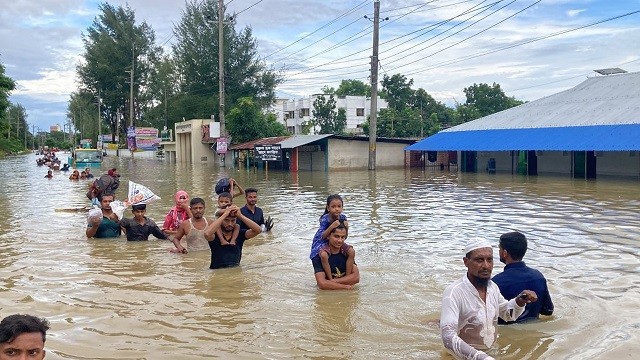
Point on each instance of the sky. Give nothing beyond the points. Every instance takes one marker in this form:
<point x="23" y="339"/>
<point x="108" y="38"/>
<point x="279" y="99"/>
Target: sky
<point x="531" y="48"/>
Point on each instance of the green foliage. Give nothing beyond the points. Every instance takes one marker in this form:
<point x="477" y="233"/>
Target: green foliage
<point x="348" y="87"/>
<point x="6" y="86"/>
<point x="115" y="46"/>
<point x="488" y="99"/>
<point x="325" y="117"/>
<point x="196" y="59"/>
<point x="354" y="88"/>
<point x="397" y="91"/>
<point x="83" y="112"/>
<point x="247" y="122"/>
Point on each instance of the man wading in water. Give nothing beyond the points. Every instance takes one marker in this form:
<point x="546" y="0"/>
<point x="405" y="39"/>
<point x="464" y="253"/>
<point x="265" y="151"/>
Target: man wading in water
<point x="228" y="255"/>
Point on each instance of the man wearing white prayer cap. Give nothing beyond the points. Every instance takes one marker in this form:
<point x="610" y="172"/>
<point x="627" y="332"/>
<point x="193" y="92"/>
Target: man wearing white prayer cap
<point x="472" y="304"/>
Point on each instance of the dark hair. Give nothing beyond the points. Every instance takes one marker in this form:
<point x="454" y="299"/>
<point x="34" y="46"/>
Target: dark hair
<point x="103" y="195"/>
<point x="339" y="227"/>
<point x="139" y="207"/>
<point x="330" y="198"/>
<point x="225" y="195"/>
<point x="250" y="190"/>
<point x="15" y="325"/>
<point x="196" y="200"/>
<point x="515" y="243"/>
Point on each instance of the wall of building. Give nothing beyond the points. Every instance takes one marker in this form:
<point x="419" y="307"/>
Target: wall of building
<point x="618" y="163"/>
<point x="189" y="146"/>
<point x="554" y="162"/>
<point x="354" y="154"/>
<point x="503" y="160"/>
<point x="312" y="161"/>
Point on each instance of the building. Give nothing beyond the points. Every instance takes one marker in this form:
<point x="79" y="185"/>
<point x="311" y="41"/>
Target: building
<point x="325" y="152"/>
<point x="55" y="128"/>
<point x="192" y="144"/>
<point x="587" y="131"/>
<point x="294" y="114"/>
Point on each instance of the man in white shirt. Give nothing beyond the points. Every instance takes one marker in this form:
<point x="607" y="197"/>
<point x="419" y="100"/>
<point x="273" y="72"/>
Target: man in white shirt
<point x="471" y="306"/>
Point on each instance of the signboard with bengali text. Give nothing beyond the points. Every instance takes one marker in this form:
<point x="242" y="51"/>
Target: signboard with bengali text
<point x="268" y="152"/>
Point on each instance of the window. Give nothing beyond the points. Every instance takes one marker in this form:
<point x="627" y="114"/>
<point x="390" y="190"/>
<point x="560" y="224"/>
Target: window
<point x="360" y="112"/>
<point x="304" y="112"/>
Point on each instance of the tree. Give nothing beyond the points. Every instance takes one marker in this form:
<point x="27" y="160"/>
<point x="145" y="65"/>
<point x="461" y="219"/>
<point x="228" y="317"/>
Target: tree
<point x="247" y="122"/>
<point x="196" y="59"/>
<point x="325" y="117"/>
<point x="83" y="112"/>
<point x="115" y="46"/>
<point x="488" y="100"/>
<point x="397" y="91"/>
<point x="354" y="88"/>
<point x="6" y="86"/>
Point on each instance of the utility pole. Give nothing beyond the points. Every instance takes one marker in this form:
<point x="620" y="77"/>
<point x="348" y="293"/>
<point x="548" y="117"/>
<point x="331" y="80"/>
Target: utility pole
<point x="133" y="68"/>
<point x="33" y="132"/>
<point x="26" y="128"/>
<point x="223" y="132"/>
<point x="374" y="87"/>
<point x="9" y="122"/>
<point x="99" y="124"/>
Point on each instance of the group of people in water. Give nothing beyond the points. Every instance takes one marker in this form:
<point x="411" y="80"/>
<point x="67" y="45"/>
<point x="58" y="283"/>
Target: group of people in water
<point x="50" y="160"/>
<point x="472" y="306"/>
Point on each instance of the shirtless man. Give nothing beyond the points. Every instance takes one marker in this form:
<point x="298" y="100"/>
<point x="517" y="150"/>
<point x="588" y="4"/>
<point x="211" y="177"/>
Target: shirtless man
<point x="192" y="229"/>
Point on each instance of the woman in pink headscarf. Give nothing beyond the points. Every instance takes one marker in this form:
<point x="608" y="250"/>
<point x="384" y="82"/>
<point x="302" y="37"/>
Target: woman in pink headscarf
<point x="177" y="214"/>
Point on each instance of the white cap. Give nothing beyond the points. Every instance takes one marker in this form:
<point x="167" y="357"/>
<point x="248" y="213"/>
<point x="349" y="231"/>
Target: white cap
<point x="475" y="244"/>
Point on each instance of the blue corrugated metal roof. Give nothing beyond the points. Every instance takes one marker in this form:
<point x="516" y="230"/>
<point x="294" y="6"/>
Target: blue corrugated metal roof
<point x="625" y="137"/>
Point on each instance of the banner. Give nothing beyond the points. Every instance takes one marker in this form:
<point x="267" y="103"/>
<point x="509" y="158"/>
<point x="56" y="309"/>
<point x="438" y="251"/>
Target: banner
<point x="131" y="138"/>
<point x="147" y="138"/>
<point x="221" y="146"/>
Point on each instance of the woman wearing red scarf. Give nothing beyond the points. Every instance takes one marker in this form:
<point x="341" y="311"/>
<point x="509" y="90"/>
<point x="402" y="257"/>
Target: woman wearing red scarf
<point x="177" y="214"/>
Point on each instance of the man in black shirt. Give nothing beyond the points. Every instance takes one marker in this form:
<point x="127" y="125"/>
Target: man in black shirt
<point x="253" y="212"/>
<point x="140" y="227"/>
<point x="229" y="255"/>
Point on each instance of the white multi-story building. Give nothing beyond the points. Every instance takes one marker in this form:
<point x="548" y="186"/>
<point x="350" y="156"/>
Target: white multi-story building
<point x="293" y="114"/>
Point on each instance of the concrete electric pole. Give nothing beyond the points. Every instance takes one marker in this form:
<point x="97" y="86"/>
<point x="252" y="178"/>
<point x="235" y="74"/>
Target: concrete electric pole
<point x="223" y="132"/>
<point x="374" y="87"/>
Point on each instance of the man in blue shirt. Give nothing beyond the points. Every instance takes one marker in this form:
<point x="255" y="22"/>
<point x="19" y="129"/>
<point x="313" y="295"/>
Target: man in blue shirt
<point x="517" y="277"/>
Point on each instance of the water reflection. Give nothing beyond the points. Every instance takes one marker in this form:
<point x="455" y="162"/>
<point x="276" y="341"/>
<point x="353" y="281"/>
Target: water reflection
<point x="113" y="299"/>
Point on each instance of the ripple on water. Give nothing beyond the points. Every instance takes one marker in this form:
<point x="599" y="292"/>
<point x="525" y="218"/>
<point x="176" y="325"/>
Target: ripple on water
<point x="137" y="301"/>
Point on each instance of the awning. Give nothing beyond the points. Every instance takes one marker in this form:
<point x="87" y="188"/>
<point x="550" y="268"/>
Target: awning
<point x="625" y="137"/>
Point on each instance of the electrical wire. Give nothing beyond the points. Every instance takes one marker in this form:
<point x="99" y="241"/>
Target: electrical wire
<point x="320" y="28"/>
<point x="539" y="38"/>
<point x="459" y="31"/>
<point x="254" y="4"/>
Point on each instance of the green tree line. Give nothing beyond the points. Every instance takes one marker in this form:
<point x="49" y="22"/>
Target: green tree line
<point x="122" y="57"/>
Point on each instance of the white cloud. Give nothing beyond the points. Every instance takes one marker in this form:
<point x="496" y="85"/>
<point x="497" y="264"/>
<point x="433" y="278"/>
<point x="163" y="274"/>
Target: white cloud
<point x="574" y="13"/>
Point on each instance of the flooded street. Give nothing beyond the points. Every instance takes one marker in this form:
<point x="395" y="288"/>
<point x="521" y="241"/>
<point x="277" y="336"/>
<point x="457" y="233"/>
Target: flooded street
<point x="113" y="299"/>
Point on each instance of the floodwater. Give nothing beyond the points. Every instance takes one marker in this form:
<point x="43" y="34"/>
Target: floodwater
<point x="110" y="299"/>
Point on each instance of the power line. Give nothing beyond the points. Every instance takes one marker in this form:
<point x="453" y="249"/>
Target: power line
<point x="320" y="28"/>
<point x="317" y="41"/>
<point x="241" y="11"/>
<point x="369" y="48"/>
<point x="459" y="31"/>
<point x="539" y="38"/>
<point x="440" y="23"/>
<point x="355" y="53"/>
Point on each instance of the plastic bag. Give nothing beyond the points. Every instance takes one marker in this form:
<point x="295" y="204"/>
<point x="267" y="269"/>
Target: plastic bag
<point x="140" y="194"/>
<point x="94" y="214"/>
<point x="118" y="208"/>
